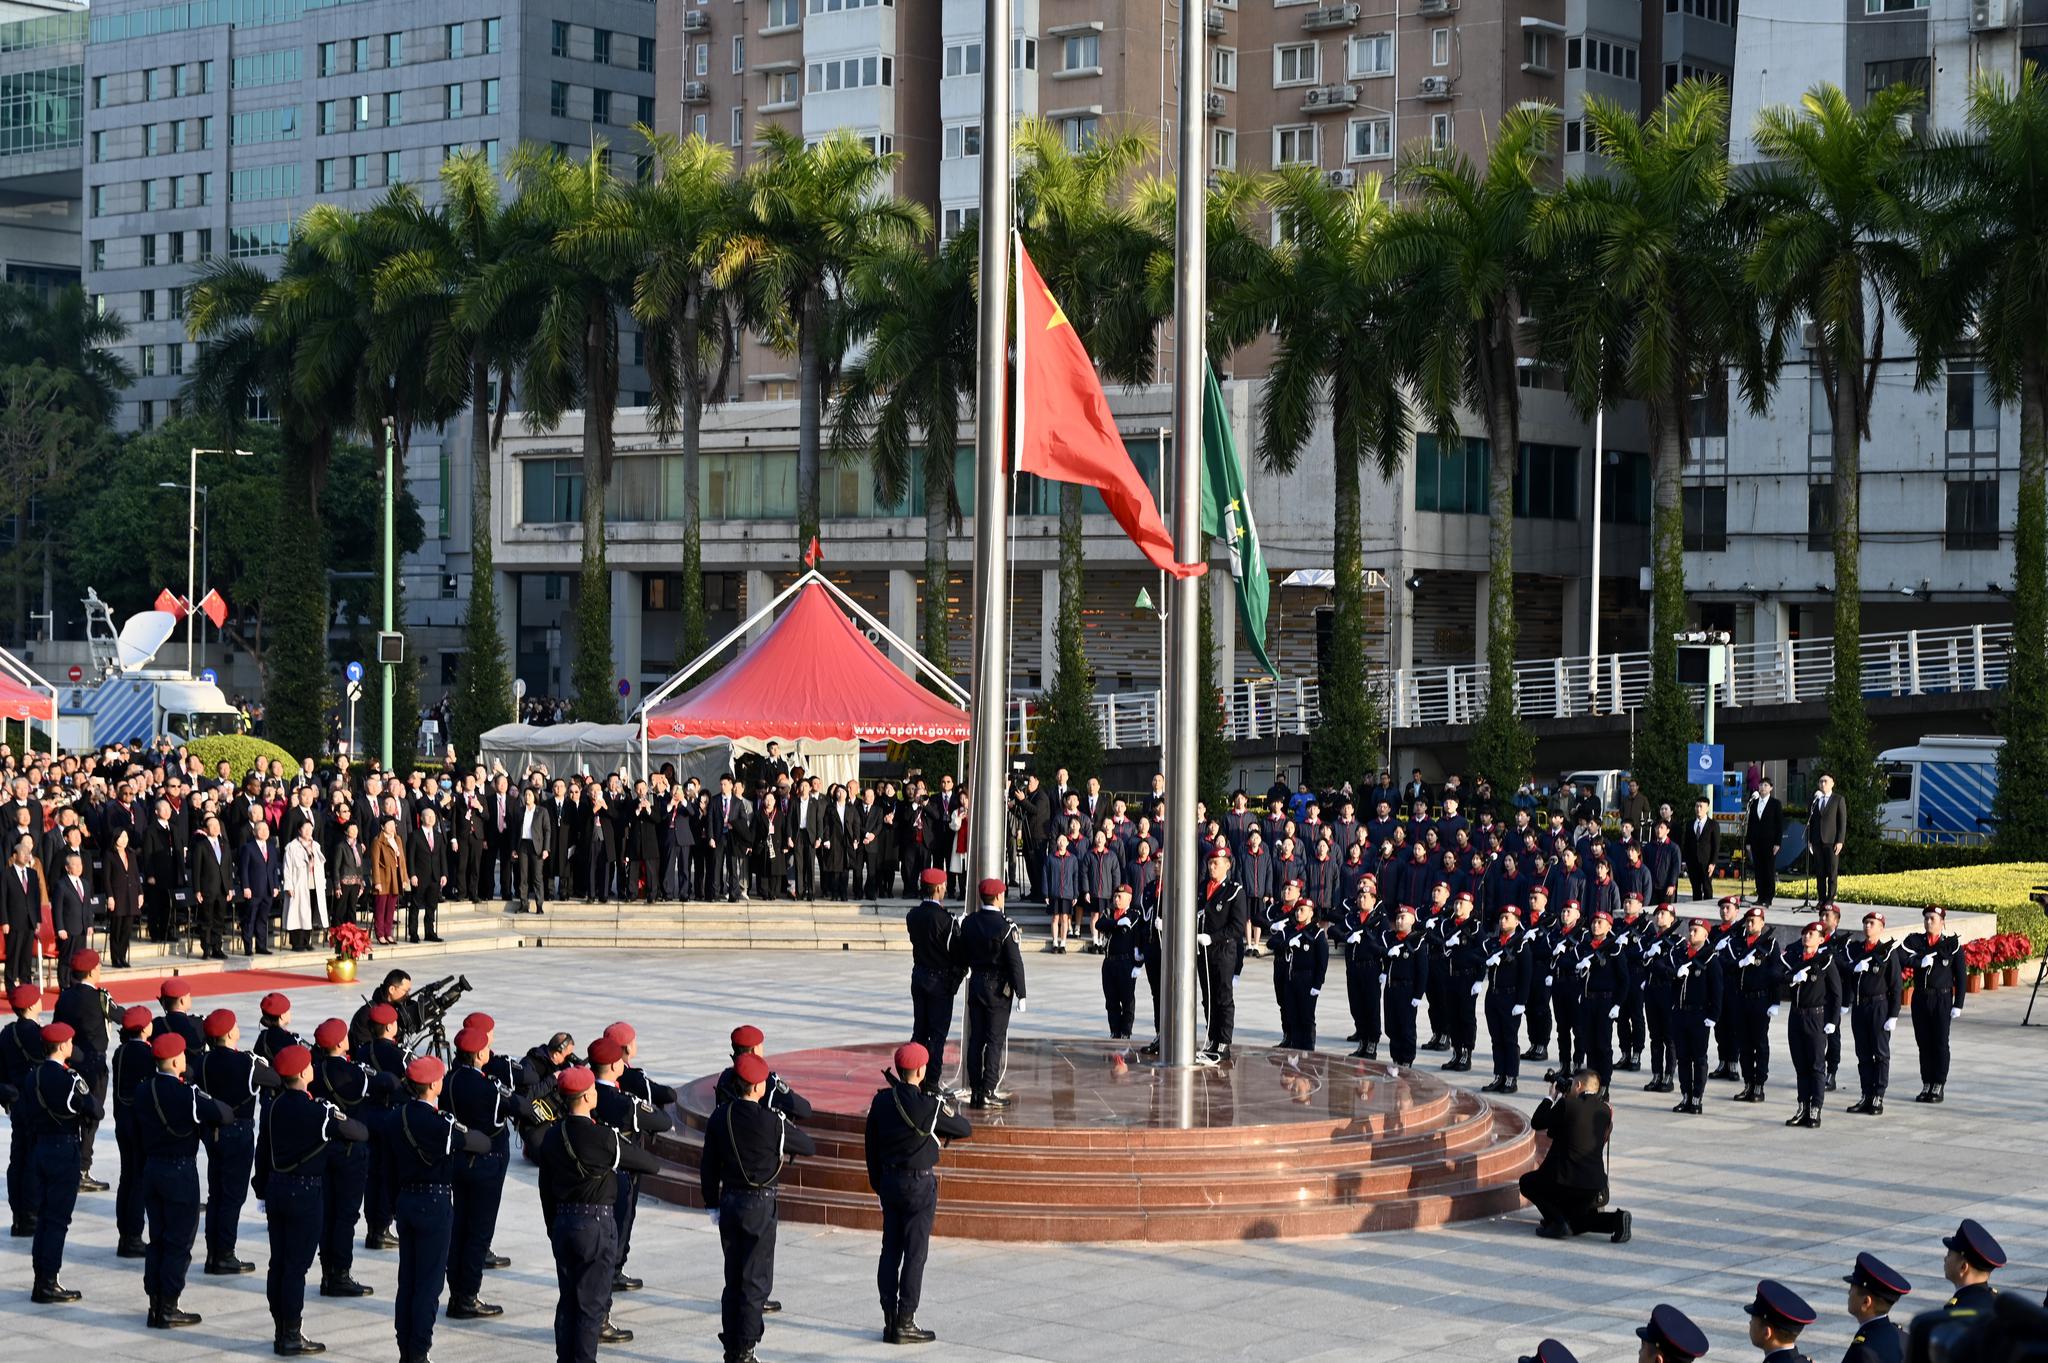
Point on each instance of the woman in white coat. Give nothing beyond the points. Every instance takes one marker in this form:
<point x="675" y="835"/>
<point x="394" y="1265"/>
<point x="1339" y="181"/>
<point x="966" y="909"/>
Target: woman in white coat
<point x="305" y="887"/>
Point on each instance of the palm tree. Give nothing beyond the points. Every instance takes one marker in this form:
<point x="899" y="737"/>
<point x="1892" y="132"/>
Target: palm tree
<point x="577" y="284"/>
<point x="1463" y="249"/>
<point x="1833" y="208"/>
<point x="914" y="316"/>
<point x="1338" y="319"/>
<point x="808" y="214"/>
<point x="1647" y="301"/>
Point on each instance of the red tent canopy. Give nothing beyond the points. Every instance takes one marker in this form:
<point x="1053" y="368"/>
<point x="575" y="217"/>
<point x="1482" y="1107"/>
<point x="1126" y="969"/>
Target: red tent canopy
<point x="811" y="676"/>
<point x="20" y="702"/>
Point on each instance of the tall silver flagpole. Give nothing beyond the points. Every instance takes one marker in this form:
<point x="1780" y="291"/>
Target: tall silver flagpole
<point x="1183" y="621"/>
<point x="987" y="819"/>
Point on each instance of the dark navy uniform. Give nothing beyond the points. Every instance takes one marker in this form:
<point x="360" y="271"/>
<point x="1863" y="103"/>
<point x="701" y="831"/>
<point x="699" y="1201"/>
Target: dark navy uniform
<point x="1221" y="920"/>
<point x="1301" y="957"/>
<point x="387" y="1057"/>
<point x="131" y="1064"/>
<point x="1632" y="1027"/>
<point x="1404" y="979"/>
<point x="1877" y="1341"/>
<point x="293" y="1152"/>
<point x="745" y="1148"/>
<point x="988" y="944"/>
<point x="1650" y="947"/>
<point x="419" y="1149"/>
<point x="1694" y="980"/>
<point x="1836" y="946"/>
<point x="21" y="1050"/>
<point x="635" y="1119"/>
<point x="1507" y="963"/>
<point x="1561" y="977"/>
<point x="1123" y="960"/>
<point x="1457" y="971"/>
<point x="1721" y="937"/>
<point x="1871" y="990"/>
<point x="235" y="1078"/>
<point x="1816" y="1008"/>
<point x="1362" y="970"/>
<point x="55" y="1104"/>
<point x="1751" y="992"/>
<point x="482" y="1103"/>
<point x="1938" y="972"/>
<point x="271" y="1038"/>
<point x="186" y="1025"/>
<point x="1606" y="982"/>
<point x="361" y="1093"/>
<point x="729" y="1089"/>
<point x="905" y="1132"/>
<point x="580" y="1163"/>
<point x="1538" y="936"/>
<point x="87" y="1009"/>
<point x="170" y="1117"/>
<point x="937" y="967"/>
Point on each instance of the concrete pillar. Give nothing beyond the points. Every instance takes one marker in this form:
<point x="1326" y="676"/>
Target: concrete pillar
<point x="506" y="586"/>
<point x="904" y="613"/>
<point x="1223" y="613"/>
<point x="628" y="651"/>
<point x="760" y="590"/>
<point x="1575" y="592"/>
<point x="1481" y="620"/>
<point x="1049" y="624"/>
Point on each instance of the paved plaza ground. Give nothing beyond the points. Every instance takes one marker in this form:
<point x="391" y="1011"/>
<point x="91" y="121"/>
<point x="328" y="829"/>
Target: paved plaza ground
<point x="1719" y="1201"/>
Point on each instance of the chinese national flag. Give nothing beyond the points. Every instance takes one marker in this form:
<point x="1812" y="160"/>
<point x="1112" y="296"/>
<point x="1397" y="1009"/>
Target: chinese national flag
<point x="215" y="608"/>
<point x="1069" y="434"/>
<point x="170" y="603"/>
<point x="813" y="553"/>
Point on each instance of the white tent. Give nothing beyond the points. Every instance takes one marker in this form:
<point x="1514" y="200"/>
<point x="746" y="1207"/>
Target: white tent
<point x="600" y="749"/>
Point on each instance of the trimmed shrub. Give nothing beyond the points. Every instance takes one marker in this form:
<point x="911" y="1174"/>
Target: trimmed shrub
<point x="241" y="752"/>
<point x="2002" y="888"/>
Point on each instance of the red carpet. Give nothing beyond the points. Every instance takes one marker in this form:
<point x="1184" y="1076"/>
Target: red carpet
<point x="129" y="990"/>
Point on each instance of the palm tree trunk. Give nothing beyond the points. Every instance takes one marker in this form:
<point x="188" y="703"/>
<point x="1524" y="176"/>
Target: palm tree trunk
<point x="483" y="688"/>
<point x="1669" y="722"/>
<point x="810" y="405"/>
<point x="592" y="670"/>
<point x="1347" y="736"/>
<point x="695" y="633"/>
<point x="2021" y="806"/>
<point x="1503" y="432"/>
<point x="938" y="574"/>
<point x="1848" y="543"/>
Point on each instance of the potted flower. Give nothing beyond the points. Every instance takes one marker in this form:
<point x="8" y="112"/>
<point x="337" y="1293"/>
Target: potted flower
<point x="1906" y="987"/>
<point x="2020" y="948"/>
<point x="1977" y="960"/>
<point x="351" y="943"/>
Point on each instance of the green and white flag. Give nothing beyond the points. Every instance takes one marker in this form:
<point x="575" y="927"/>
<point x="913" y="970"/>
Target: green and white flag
<point x="1227" y="515"/>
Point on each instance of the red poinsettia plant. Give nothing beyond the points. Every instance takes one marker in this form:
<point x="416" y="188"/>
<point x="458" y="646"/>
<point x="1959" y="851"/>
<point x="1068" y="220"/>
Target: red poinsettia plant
<point x="1977" y="955"/>
<point x="2010" y="949"/>
<point x="350" y="942"/>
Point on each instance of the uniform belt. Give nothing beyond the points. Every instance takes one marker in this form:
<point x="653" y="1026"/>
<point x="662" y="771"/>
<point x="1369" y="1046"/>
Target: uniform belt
<point x="768" y="1191"/>
<point x="1809" y="1008"/>
<point x="308" y="1179"/>
<point x="592" y="1208"/>
<point x="426" y="1188"/>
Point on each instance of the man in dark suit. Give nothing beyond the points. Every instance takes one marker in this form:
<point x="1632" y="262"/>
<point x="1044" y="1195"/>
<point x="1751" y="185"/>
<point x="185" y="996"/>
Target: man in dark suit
<point x="501" y="831"/>
<point x="1699" y="841"/>
<point x="466" y="840"/>
<point x="1416" y="789"/>
<point x="259" y="871"/>
<point x="426" y="856"/>
<point x="21" y="912"/>
<point x="1570" y="1185"/>
<point x="728" y="830"/>
<point x="534" y="830"/>
<point x="70" y="913"/>
<point x="212" y="879"/>
<point x="1763" y="834"/>
<point x="1827" y="827"/>
<point x="806" y="825"/>
<point x="165" y="854"/>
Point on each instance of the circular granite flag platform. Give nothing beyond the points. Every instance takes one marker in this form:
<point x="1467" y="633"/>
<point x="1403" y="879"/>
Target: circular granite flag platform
<point x="1101" y="1145"/>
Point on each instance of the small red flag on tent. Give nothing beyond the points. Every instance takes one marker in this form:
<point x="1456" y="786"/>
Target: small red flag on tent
<point x="1069" y="434"/>
<point x="814" y="553"/>
<point x="167" y="601"/>
<point x="216" y="608"/>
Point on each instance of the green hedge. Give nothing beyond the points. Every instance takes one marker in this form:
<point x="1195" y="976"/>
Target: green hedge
<point x="241" y="753"/>
<point x="2003" y="888"/>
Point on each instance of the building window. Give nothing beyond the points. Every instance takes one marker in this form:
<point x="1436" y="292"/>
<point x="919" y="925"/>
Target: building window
<point x="492" y="41"/>
<point x="330" y="58"/>
<point x="784" y="89"/>
<point x="145" y="309"/>
<point x="1574" y="135"/>
<point x="1453" y="482"/>
<point x="98" y="256"/>
<point x="601" y="107"/>
<point x="1536" y="49"/>
<point x="454" y="35"/>
<point x="1627" y="491"/>
<point x="1908" y="71"/>
<point x="1705" y="508"/>
<point x="1372" y="55"/>
<point x="1439" y="131"/>
<point x="394" y="49"/>
<point x="1718" y="11"/>
<point x="1547" y="482"/>
<point x="174" y="358"/>
<point x="963" y="140"/>
<point x="1223" y="67"/>
<point x="1704" y="498"/>
<point x="145" y="415"/>
<point x="559" y="45"/>
<point x="644" y="60"/>
<point x="145" y="360"/>
<point x="1820" y="468"/>
<point x="701" y="60"/>
<point x="1440" y="47"/>
<point x="1973" y="515"/>
<point x="1080" y="131"/>
<point x="1024" y="54"/>
<point x="1223" y="148"/>
<point x="1972" y="461"/>
<point x="491" y="95"/>
<point x="264" y="182"/>
<point x="1371" y="139"/>
<point x="700" y="125"/>
<point x="1296" y="64"/>
<point x="1081" y="52"/>
<point x="148" y="249"/>
<point x="739" y="125"/>
<point x="266" y="125"/>
<point x="558" y="99"/>
<point x="361" y="54"/>
<point x="1598" y="54"/>
<point x="739" y="54"/>
<point x="391" y="175"/>
<point x="601" y="46"/>
<point x="1892" y="6"/>
<point x="963" y="59"/>
<point x="394" y="108"/>
<point x="784" y="13"/>
<point x="176" y="294"/>
<point x="1294" y="145"/>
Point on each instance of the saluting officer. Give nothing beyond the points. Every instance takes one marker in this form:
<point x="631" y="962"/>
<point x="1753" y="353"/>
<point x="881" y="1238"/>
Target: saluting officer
<point x="1362" y="918"/>
<point x="1219" y="941"/>
<point x="1693" y="975"/>
<point x="421" y="1148"/>
<point x="87" y="1008"/>
<point x="634" y="1120"/>
<point x="1123" y="961"/>
<point x="1561" y="976"/>
<point x="360" y="1093"/>
<point x="290" y="1180"/>
<point x="937" y="968"/>
<point x="907" y="1128"/>
<point x="1873" y="975"/>
<point x="637" y="1082"/>
<point x="55" y="1104"/>
<point x="131" y="1064"/>
<point x="1650" y="947"/>
<point x="580" y="1159"/>
<point x="1816" y="1002"/>
<point x="988" y="942"/>
<point x="1936" y="959"/>
<point x="1458" y="934"/>
<point x="170" y="1115"/>
<point x="1606" y="980"/>
<point x="1974" y="1254"/>
<point x="1728" y="1036"/>
<point x="1539" y="935"/>
<point x="1404" y="982"/>
<point x="1874" y="1289"/>
<point x="1754" y="986"/>
<point x="746" y="1145"/>
<point x="1302" y="948"/>
<point x="234" y="1077"/>
<point x="481" y="1102"/>
<point x="1507" y="964"/>
<point x="1776" y="1319"/>
<point x="1834" y="943"/>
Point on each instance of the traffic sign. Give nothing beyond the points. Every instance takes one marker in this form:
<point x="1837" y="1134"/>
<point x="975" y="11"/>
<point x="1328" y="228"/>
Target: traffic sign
<point x="625" y="687"/>
<point x="355" y="672"/>
<point x="1705" y="761"/>
<point x="76" y="673"/>
<point x="355" y="692"/>
<point x="209" y="676"/>
<point x="519" y="688"/>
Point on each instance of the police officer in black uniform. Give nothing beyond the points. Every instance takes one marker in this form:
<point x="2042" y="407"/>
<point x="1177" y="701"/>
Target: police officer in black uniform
<point x="1122" y="933"/>
<point x="55" y="1104"/>
<point x="1457" y="934"/>
<point x="1935" y="956"/>
<point x="906" y="1130"/>
<point x="746" y="1144"/>
<point x="634" y="1120"/>
<point x="1816" y="1004"/>
<point x="1220" y="921"/>
<point x="275" y="1032"/>
<point x="1835" y="943"/>
<point x="1692" y="975"/>
<point x="1874" y="1289"/>
<point x="988" y="943"/>
<point x="937" y="969"/>
<point x="1507" y="965"/>
<point x="1403" y="954"/>
<point x="481" y="1101"/>
<point x="1363" y="919"/>
<point x="1728" y="1035"/>
<point x="170" y="1117"/>
<point x="1301" y="948"/>
<point x="1776" y="1319"/>
<point x="379" y="1024"/>
<point x="748" y="1039"/>
<point x="130" y="1065"/>
<point x="1974" y="1254"/>
<point x="580" y="1162"/>
<point x="360" y="1093"/>
<point x="87" y="1008"/>
<point x="235" y="1077"/>
<point x="1649" y="947"/>
<point x="174" y="997"/>
<point x="1754" y="975"/>
<point x="1670" y="1337"/>
<point x="420" y="1147"/>
<point x="290" y="1180"/>
<point x="1537" y="940"/>
<point x="21" y="1050"/>
<point x="1606" y="980"/>
<point x="1872" y="986"/>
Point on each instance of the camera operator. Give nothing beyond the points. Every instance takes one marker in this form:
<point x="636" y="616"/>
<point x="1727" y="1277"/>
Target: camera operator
<point x="397" y="987"/>
<point x="1570" y="1186"/>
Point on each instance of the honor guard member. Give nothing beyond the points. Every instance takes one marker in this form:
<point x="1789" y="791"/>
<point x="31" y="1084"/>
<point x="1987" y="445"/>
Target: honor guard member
<point x="1728" y="1036"/>
<point x="1219" y="939"/>
<point x="1404" y="982"/>
<point x="1935" y="956"/>
<point x="641" y="1085"/>
<point x="1561" y="976"/>
<point x="131" y="1064"/>
<point x="580" y="1163"/>
<point x="481" y="1102"/>
<point x="634" y="1120"/>
<point x="1670" y="1337"/>
<point x="1776" y="1319"/>
<point x="21" y="1050"/>
<point x="1631" y="1027"/>
<point x="1874" y="1289"/>
<point x="87" y="1009"/>
<point x="1973" y="1256"/>
<point x="360" y="1093"/>
<point x="1435" y="911"/>
<point x="746" y="1145"/>
<point x="1872" y="971"/>
<point x="421" y="1147"/>
<point x="1302" y="950"/>
<point x="234" y="1077"/>
<point x="988" y="943"/>
<point x="55" y="1104"/>
<point x="174" y="997"/>
<point x="1816" y="1003"/>
<point x="1651" y="946"/>
<point x="1539" y="935"/>
<point x="1459" y="934"/>
<point x="379" y="1029"/>
<point x="748" y="1039"/>
<point x="1835" y="943"/>
<point x="274" y="1032"/>
<point x="1506" y="963"/>
<point x="1123" y="961"/>
<point x="290" y="1181"/>
<point x="937" y="967"/>
<point x="1550" y="1351"/>
<point x="1278" y="915"/>
<point x="906" y="1130"/>
<point x="1601" y="965"/>
<point x="170" y="1115"/>
<point x="1694" y="980"/>
<point x="1754" y="980"/>
<point x="1362" y="918"/>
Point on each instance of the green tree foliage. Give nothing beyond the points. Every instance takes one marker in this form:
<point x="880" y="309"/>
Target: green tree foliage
<point x="1066" y="734"/>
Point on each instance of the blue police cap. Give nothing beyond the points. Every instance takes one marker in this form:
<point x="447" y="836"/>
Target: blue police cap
<point x="1550" y="1351"/>
<point x="1671" y="1330"/>
<point x="1874" y="1275"/>
<point x="1777" y="1302"/>
<point x="1976" y="1244"/>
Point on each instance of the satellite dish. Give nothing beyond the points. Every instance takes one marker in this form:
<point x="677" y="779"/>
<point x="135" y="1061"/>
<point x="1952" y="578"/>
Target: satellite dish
<point x="142" y="634"/>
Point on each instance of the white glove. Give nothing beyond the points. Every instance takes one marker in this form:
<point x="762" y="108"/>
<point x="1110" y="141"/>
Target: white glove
<point x="1549" y="980"/>
<point x="1136" y="971"/>
<point x="1955" y="1013"/>
<point x="1558" y="950"/>
<point x="1655" y="947"/>
<point x="1613" y="1012"/>
<point x="1799" y="978"/>
<point x="1890" y="1023"/>
<point x="1772" y="1011"/>
<point x="1493" y="960"/>
<point x="1314" y="993"/>
<point x="1710" y="1024"/>
<point x="1352" y="938"/>
<point x="714" y="1217"/>
<point x="1392" y="952"/>
<point x="1747" y="961"/>
<point x="1685" y="970"/>
<point x="1020" y="1005"/>
<point x="1298" y="944"/>
<point x="1845" y="1010"/>
<point x="1201" y="939"/>
<point x="1383" y="981"/>
<point x="1928" y="959"/>
<point x="1418" y="1004"/>
<point x="1862" y="966"/>
<point x="1476" y="988"/>
<point x="1517" y="1011"/>
<point x="1586" y="965"/>
<point x="1828" y="1030"/>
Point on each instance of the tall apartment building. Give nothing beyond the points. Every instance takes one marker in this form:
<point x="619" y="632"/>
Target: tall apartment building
<point x="42" y="136"/>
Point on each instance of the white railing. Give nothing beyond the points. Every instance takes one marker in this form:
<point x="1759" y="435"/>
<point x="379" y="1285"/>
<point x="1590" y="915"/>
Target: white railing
<point x="1904" y="663"/>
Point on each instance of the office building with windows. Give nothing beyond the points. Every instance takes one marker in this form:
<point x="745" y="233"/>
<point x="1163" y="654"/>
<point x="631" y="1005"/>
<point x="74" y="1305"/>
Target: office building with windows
<point x="42" y="140"/>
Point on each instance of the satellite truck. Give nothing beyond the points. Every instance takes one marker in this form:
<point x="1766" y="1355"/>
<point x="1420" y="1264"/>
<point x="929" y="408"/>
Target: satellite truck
<point x="122" y="698"/>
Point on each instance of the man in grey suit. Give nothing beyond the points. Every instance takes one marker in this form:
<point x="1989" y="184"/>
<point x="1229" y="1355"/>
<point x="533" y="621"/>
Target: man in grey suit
<point x="1827" y="823"/>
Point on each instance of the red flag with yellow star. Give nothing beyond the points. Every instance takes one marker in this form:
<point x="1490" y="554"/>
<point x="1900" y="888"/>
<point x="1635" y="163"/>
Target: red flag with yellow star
<point x="1067" y="431"/>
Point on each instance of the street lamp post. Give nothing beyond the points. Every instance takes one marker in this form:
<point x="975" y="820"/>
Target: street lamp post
<point x="390" y="669"/>
<point x="192" y="549"/>
<point x="205" y="551"/>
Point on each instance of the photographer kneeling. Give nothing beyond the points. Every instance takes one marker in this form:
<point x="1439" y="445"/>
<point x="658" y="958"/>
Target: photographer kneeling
<point x="1570" y="1186"/>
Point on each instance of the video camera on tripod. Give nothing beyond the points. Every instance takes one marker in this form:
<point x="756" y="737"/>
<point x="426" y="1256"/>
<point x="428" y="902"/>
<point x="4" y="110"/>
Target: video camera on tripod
<point x="424" y="1015"/>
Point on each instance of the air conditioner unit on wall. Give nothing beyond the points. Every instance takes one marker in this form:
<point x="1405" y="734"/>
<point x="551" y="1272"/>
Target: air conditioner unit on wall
<point x="1991" y="15"/>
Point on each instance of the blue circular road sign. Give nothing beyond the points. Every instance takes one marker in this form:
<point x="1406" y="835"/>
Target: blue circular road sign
<point x="355" y="671"/>
<point x="209" y="676"/>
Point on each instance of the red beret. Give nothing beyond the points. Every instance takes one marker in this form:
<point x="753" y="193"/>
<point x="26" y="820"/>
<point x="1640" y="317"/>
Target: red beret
<point x="167" y="1045"/>
<point x="481" y="1021"/>
<point x="471" y="1040"/>
<point x="56" y="1032"/>
<point x="751" y="1069"/>
<point x="933" y="875"/>
<point x="176" y="987"/>
<point x="292" y="1061"/>
<point x="1291" y="883"/>
<point x="1935" y="910"/>
<point x="1756" y="910"/>
<point x="24" y="997"/>
<point x="1706" y="923"/>
<point x="219" y="1022"/>
<point x="1731" y="901"/>
<point x="1874" y="917"/>
<point x="1219" y="853"/>
<point x="135" y="1018"/>
<point x="912" y="1056"/>
<point x="1599" y="914"/>
<point x="1571" y="903"/>
<point x="575" y="1079"/>
<point x="992" y="886"/>
<point x="1125" y="889"/>
<point x="623" y="1033"/>
<point x="274" y="1005"/>
<point x="1815" y="926"/>
<point x="605" y="1051"/>
<point x="1632" y="895"/>
<point x="383" y="1014"/>
<point x="1535" y="890"/>
<point x="1465" y="897"/>
<point x="85" y="960"/>
<point x="330" y="1033"/>
<point x="427" y="1069"/>
<point x="747" y="1035"/>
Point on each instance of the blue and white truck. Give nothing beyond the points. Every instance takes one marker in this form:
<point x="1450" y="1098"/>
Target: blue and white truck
<point x="1940" y="789"/>
<point x="123" y="699"/>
